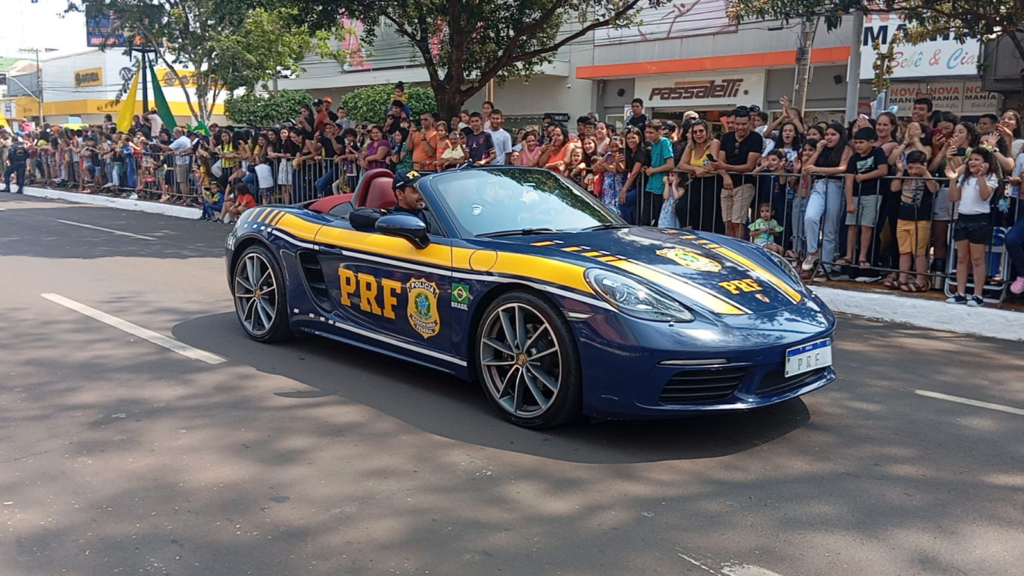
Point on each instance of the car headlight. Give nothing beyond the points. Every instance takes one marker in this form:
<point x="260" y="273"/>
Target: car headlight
<point x="787" y="268"/>
<point x="635" y="299"/>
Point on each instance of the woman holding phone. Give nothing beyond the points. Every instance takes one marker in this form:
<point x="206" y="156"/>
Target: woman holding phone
<point x="699" y="208"/>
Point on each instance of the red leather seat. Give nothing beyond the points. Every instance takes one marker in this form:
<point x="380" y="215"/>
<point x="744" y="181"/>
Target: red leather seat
<point x="380" y="194"/>
<point x="363" y="188"/>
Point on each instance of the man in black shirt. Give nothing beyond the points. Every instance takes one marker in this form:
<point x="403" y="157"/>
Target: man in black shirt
<point x="410" y="200"/>
<point x="638" y="119"/>
<point x="738" y="156"/>
<point x="479" y="143"/>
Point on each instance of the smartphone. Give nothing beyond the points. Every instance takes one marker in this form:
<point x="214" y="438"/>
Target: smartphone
<point x="961" y="151"/>
<point x="709" y="158"/>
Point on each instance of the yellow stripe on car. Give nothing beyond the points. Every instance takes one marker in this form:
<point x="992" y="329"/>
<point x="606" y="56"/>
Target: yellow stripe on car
<point x="298" y="227"/>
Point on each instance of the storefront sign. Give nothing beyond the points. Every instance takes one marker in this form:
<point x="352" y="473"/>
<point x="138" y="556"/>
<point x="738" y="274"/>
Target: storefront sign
<point x="700" y="91"/>
<point x="7" y="109"/>
<point x="966" y="98"/>
<point x="90" y="77"/>
<point x="939" y="57"/>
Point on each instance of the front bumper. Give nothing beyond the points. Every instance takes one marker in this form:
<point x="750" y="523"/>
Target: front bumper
<point x="637" y="369"/>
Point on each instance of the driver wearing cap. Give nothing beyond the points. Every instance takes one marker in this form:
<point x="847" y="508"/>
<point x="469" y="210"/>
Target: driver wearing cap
<point x="410" y="201"/>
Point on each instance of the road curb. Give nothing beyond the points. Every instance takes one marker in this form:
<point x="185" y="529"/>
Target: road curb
<point x="931" y="314"/>
<point x="119" y="203"/>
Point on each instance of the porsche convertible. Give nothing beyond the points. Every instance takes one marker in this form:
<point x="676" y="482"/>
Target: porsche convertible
<point x="518" y="279"/>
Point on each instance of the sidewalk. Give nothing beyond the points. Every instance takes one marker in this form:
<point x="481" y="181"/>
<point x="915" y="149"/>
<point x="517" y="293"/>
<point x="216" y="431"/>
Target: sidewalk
<point x="926" y="310"/>
<point x="120" y="203"/>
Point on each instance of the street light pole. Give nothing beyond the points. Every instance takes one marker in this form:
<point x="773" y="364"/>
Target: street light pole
<point x="39" y="80"/>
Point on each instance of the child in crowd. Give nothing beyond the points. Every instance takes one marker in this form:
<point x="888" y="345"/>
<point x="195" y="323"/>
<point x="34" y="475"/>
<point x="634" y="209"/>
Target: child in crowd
<point x="213" y="202"/>
<point x="575" y="168"/>
<point x="917" y="189"/>
<point x="802" y="191"/>
<point x="764" y="229"/>
<point x="615" y="176"/>
<point x="972" y="185"/>
<point x="265" y="180"/>
<point x="243" y="200"/>
<point x="673" y="192"/>
<point x="864" y="173"/>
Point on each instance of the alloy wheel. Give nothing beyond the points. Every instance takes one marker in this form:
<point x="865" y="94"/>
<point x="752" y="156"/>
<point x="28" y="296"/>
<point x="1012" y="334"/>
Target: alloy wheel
<point x="520" y="360"/>
<point x="256" y="294"/>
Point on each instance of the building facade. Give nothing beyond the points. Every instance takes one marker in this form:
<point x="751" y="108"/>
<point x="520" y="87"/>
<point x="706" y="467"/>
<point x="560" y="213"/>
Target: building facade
<point x="82" y="88"/>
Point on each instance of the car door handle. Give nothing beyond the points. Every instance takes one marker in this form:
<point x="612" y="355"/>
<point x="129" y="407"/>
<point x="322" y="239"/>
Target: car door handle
<point x="329" y="250"/>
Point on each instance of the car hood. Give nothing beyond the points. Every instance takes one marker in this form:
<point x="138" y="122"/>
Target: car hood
<point x="721" y="275"/>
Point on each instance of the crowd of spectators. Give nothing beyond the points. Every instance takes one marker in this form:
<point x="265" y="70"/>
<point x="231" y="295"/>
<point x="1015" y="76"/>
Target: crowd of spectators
<point x="902" y="191"/>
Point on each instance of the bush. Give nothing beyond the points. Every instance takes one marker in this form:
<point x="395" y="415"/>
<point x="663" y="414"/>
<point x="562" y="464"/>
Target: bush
<point x="370" y="103"/>
<point x="265" y="109"/>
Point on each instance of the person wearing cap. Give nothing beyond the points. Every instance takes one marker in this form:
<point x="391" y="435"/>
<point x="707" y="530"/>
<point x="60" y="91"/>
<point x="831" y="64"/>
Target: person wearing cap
<point x="321" y="117"/>
<point x="410" y="200"/>
<point x="331" y="116"/>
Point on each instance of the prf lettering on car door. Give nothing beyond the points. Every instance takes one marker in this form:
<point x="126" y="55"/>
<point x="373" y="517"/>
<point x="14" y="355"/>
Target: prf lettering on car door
<point x="373" y="295"/>
<point x="741" y="286"/>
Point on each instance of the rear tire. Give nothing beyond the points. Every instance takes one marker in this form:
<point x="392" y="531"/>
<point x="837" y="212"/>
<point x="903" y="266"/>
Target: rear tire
<point x="260" y="295"/>
<point x="528" y="362"/>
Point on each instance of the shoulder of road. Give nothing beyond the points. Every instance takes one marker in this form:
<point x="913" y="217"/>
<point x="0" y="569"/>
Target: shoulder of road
<point x="852" y="298"/>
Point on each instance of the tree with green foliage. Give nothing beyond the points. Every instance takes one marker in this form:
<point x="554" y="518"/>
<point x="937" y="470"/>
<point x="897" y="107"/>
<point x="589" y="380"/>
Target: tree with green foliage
<point x="464" y="45"/>
<point x="961" y="19"/>
<point x="369" y="104"/>
<point x="229" y="44"/>
<point x="254" y="109"/>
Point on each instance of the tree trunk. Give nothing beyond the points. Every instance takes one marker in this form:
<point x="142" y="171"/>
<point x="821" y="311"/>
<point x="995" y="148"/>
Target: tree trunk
<point x="449" y="102"/>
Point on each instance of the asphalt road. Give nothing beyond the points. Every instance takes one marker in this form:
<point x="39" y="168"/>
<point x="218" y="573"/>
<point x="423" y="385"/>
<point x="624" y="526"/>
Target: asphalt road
<point x="118" y="456"/>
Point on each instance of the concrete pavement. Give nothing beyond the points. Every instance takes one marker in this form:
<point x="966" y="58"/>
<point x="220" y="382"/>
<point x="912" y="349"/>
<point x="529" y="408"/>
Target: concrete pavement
<point x="118" y="455"/>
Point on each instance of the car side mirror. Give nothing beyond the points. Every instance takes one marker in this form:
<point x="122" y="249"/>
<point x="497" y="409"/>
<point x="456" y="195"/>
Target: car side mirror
<point x="404" y="226"/>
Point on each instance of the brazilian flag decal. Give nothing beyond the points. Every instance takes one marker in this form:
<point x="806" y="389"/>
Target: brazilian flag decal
<point x="460" y="296"/>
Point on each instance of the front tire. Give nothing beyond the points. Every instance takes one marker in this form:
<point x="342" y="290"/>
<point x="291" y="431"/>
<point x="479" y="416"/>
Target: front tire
<point x="527" y="361"/>
<point x="261" y="302"/>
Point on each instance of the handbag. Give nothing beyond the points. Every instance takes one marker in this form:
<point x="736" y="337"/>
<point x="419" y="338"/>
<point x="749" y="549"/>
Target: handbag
<point x="216" y="169"/>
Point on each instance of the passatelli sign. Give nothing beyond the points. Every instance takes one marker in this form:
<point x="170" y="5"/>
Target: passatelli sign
<point x="90" y="77"/>
<point x="701" y="90"/>
<point x="697" y="90"/>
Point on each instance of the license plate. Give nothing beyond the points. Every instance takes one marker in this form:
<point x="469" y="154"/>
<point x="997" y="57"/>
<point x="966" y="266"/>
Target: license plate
<point x="809" y="357"/>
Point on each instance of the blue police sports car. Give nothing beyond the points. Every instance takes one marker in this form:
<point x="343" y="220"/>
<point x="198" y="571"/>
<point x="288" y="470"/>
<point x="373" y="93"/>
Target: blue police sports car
<point x="518" y="279"/>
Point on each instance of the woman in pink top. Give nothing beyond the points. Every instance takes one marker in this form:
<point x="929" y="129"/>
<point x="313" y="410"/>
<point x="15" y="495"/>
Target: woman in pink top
<point x="530" y="152"/>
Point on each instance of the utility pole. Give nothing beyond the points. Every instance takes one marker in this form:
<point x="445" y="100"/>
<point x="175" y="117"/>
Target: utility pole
<point x="145" y="84"/>
<point x="39" y="80"/>
<point x="853" y="72"/>
<point x="808" y="28"/>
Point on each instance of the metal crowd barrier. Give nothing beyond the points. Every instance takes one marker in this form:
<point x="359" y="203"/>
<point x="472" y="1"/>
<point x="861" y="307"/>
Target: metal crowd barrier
<point x="875" y="242"/>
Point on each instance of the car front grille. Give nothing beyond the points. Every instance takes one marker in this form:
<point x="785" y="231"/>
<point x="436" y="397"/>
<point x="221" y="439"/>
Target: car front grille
<point x="710" y="384"/>
<point x="776" y="381"/>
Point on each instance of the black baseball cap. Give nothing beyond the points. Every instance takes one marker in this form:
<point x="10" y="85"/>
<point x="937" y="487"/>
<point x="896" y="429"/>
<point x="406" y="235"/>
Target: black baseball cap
<point x="405" y="178"/>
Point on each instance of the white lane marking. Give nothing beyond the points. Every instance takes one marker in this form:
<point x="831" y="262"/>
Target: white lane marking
<point x="105" y="229"/>
<point x="135" y="330"/>
<point x="969" y="402"/>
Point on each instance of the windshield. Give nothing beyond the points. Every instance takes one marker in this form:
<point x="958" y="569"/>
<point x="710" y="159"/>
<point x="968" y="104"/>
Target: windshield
<point x="508" y="199"/>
